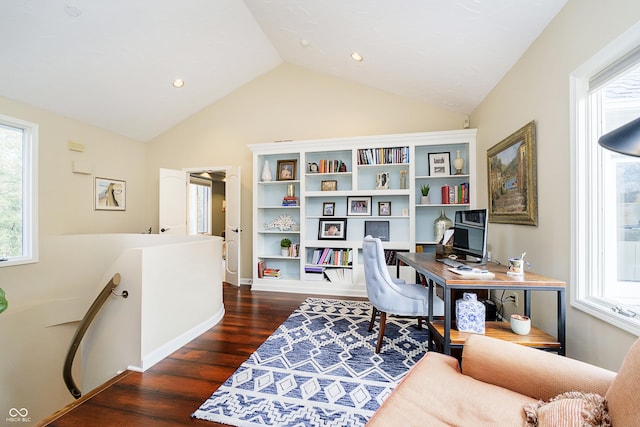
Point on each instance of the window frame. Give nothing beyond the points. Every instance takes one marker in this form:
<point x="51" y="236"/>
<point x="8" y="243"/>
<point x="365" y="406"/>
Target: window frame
<point x="586" y="264"/>
<point x="30" y="233"/>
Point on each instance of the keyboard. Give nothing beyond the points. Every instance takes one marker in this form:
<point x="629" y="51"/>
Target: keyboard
<point x="450" y="262"/>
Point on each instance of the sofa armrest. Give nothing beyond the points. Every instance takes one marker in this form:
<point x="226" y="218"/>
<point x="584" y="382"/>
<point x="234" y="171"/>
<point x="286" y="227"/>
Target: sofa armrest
<point x="530" y="371"/>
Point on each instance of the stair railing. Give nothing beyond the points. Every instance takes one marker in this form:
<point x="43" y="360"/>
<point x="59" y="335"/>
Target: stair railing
<point x="84" y="325"/>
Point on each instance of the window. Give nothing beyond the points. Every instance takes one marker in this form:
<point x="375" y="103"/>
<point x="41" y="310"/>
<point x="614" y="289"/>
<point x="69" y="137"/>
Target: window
<point x="18" y="192"/>
<point x="199" y="206"/>
<point x="607" y="197"/>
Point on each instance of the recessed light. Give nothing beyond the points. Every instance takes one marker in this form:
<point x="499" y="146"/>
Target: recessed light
<point x="304" y="43"/>
<point x="178" y="83"/>
<point x="356" y="56"/>
<point x="72" y="10"/>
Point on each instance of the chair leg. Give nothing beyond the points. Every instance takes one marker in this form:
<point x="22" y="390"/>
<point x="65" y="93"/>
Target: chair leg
<point x="419" y="323"/>
<point x="383" y="322"/>
<point x="374" y="312"/>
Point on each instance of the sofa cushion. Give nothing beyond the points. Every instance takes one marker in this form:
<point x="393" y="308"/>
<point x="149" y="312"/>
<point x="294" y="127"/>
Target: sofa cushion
<point x="622" y="396"/>
<point x="435" y="393"/>
<point x="569" y="409"/>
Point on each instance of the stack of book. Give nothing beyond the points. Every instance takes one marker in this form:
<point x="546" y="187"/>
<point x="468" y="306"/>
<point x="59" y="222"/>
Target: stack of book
<point x="452" y="194"/>
<point x="339" y="275"/>
<point x="271" y="273"/>
<point x="290" y="201"/>
<point x="314" y="272"/>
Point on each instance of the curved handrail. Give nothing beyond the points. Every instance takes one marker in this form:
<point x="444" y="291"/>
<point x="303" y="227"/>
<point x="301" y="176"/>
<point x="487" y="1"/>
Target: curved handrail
<point x="84" y="325"/>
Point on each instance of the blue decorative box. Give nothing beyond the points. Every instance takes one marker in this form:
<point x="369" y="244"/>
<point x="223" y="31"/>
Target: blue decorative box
<point x="470" y="314"/>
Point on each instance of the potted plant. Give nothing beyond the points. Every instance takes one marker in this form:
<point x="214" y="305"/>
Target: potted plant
<point x="284" y="246"/>
<point x="3" y="301"/>
<point x="424" y="189"/>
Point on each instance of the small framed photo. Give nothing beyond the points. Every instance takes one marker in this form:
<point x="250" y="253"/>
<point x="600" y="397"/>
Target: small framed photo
<point x="359" y="206"/>
<point x="384" y="208"/>
<point x="332" y="229"/>
<point x="286" y="170"/>
<point x="312" y="167"/>
<point x="329" y="185"/>
<point x="379" y="229"/>
<point x="110" y="195"/>
<point x="382" y="180"/>
<point x="328" y="209"/>
<point x="439" y="164"/>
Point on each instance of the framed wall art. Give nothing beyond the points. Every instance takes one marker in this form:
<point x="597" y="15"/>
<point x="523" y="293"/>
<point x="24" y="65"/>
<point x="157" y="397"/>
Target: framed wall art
<point x="359" y="206"/>
<point x="286" y="170"/>
<point x="511" y="166"/>
<point x="110" y="195"/>
<point x="439" y="164"/>
<point x="379" y="229"/>
<point x="332" y="229"/>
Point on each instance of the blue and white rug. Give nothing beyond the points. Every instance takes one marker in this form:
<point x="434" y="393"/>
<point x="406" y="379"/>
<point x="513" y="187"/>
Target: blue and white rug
<point x="319" y="368"/>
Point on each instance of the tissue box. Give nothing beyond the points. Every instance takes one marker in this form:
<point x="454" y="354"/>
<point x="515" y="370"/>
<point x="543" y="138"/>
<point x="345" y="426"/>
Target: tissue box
<point x="470" y="314"/>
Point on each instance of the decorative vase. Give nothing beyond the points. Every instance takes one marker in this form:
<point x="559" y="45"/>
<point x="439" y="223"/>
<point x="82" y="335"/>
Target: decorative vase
<point x="521" y="325"/>
<point x="440" y="225"/>
<point x="403" y="179"/>
<point x="458" y="163"/>
<point x="266" y="172"/>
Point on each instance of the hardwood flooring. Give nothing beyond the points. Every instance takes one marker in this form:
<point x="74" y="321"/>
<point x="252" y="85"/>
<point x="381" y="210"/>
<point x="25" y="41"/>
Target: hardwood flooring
<point x="169" y="392"/>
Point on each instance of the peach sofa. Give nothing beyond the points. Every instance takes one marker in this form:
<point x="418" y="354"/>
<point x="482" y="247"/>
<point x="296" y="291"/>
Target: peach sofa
<point x="498" y="379"/>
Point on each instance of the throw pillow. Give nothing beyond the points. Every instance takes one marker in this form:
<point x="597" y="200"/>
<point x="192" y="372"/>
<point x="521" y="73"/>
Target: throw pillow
<point x="569" y="409"/>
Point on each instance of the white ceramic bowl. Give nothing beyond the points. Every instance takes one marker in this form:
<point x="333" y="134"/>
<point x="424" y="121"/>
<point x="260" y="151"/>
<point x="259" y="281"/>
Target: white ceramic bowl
<point x="521" y="325"/>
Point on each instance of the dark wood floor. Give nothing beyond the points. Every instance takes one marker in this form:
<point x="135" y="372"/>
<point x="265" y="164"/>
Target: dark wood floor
<point x="169" y="392"/>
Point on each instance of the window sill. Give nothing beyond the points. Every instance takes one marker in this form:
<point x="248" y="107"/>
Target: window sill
<point x="604" y="312"/>
<point x="18" y="261"/>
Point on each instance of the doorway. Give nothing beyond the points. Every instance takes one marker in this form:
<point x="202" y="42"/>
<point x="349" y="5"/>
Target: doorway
<point x="218" y="187"/>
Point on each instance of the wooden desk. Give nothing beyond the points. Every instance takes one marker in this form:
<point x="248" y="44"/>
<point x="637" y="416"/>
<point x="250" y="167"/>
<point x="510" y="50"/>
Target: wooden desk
<point x="437" y="274"/>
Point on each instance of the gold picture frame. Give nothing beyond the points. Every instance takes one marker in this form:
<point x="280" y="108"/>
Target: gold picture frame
<point x="512" y="178"/>
<point x="286" y="170"/>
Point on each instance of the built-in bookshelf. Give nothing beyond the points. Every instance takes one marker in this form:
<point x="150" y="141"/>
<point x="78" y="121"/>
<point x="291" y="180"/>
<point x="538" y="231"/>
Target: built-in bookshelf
<point x="344" y="188"/>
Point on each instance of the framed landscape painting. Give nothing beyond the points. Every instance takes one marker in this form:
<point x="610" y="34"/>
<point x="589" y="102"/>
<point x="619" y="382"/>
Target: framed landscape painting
<point x="513" y="194"/>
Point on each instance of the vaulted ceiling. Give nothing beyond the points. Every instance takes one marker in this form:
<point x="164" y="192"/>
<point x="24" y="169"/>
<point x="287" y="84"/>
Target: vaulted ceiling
<point x="111" y="63"/>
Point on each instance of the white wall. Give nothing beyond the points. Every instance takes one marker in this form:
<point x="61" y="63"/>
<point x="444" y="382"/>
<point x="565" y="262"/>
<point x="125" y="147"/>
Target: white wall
<point x="32" y="352"/>
<point x="288" y="102"/>
<point x="537" y="88"/>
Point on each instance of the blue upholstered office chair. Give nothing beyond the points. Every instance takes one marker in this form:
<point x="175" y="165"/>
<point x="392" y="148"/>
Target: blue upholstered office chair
<point x="388" y="295"/>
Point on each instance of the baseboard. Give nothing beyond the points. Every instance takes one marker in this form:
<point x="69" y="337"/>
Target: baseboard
<point x="160" y="353"/>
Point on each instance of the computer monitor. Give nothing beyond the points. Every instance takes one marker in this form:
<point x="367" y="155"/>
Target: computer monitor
<point x="470" y="235"/>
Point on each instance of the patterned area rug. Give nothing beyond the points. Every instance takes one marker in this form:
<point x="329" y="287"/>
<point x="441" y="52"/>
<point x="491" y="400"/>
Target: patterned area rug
<point x="319" y="368"/>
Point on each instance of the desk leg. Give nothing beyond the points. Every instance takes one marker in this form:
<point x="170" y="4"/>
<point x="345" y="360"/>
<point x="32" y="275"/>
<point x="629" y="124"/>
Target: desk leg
<point x="446" y="345"/>
<point x="561" y="323"/>
<point x="527" y="303"/>
<point x="430" y="315"/>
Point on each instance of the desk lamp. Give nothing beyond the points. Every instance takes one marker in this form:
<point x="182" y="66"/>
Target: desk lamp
<point x="623" y="140"/>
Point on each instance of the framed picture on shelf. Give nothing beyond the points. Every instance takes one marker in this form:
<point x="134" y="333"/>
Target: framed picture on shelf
<point x="329" y="185"/>
<point x="286" y="170"/>
<point x="359" y="206"/>
<point x="439" y="164"/>
<point x="328" y="209"/>
<point x="110" y="194"/>
<point x="332" y="229"/>
<point x="379" y="229"/>
<point x="384" y="208"/>
<point x="382" y="180"/>
<point x="511" y="166"/>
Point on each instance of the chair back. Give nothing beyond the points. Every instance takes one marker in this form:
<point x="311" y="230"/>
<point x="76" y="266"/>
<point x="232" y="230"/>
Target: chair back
<point x="381" y="290"/>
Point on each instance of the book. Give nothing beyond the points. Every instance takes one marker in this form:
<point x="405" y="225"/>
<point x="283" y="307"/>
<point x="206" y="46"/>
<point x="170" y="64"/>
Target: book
<point x="474" y="273"/>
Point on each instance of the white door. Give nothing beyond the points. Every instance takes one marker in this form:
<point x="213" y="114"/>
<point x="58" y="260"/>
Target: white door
<point x="232" y="228"/>
<point x="173" y="202"/>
